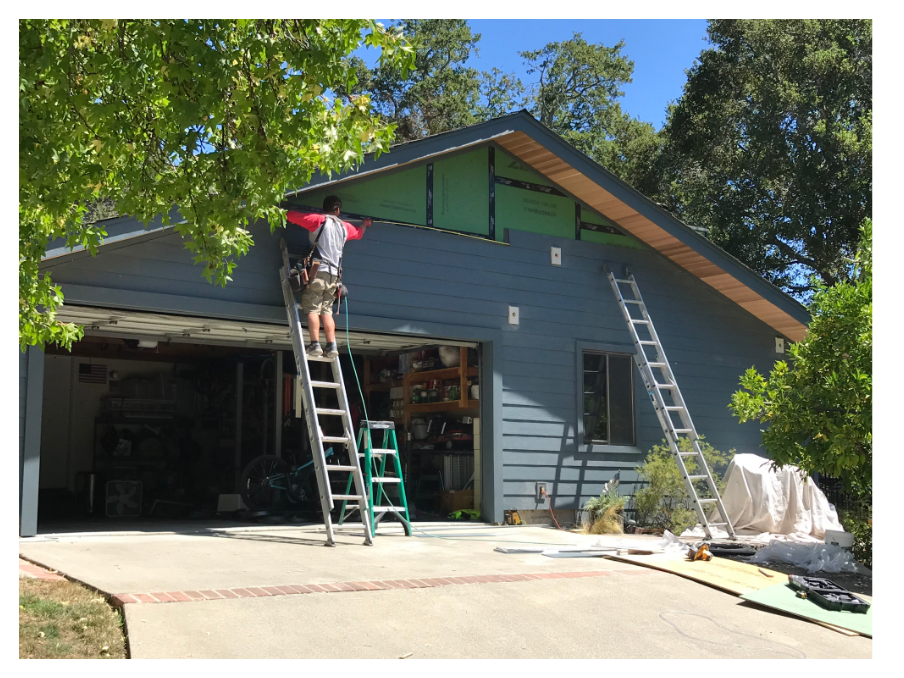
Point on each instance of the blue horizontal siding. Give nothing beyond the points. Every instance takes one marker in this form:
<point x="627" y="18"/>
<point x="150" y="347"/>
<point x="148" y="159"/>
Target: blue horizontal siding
<point x="417" y="278"/>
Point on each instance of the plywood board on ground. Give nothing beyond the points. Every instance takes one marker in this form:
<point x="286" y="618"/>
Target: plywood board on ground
<point x="722" y="573"/>
<point x="783" y="598"/>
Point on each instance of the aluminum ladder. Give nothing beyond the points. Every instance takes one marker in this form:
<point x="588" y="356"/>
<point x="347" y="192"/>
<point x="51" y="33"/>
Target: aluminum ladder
<point x="656" y="389"/>
<point x="375" y="474"/>
<point x="313" y="413"/>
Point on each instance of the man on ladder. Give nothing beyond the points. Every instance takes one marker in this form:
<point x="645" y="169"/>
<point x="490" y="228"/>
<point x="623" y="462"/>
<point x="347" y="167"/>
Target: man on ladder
<point x="328" y="235"/>
<point x="320" y="282"/>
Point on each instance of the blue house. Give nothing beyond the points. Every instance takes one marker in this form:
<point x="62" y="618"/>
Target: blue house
<point x="494" y="239"/>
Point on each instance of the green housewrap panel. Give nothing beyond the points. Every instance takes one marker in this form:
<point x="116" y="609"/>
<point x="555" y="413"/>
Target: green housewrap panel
<point x="523" y="210"/>
<point x="461" y="193"/>
<point x="589" y="217"/>
<point x="512" y="168"/>
<point x="400" y="196"/>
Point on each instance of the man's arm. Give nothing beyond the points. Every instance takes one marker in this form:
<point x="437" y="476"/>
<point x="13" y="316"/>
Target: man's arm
<point x="356" y="232"/>
<point x="307" y="220"/>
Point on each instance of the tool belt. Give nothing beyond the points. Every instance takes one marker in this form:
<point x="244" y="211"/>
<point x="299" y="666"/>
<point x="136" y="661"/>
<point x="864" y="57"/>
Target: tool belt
<point x="306" y="270"/>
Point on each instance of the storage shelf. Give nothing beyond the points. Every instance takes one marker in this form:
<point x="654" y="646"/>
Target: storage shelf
<point x="446" y="373"/>
<point x="383" y="386"/>
<point x="446" y="406"/>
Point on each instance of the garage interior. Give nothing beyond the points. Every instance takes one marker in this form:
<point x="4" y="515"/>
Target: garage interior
<point x="168" y="418"/>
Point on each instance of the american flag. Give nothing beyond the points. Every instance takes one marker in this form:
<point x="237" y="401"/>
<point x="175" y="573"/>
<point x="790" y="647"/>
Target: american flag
<point x="89" y="373"/>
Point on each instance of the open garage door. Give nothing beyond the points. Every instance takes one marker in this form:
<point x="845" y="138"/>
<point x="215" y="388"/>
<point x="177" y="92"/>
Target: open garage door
<point x="193" y="330"/>
<point x="156" y="417"/>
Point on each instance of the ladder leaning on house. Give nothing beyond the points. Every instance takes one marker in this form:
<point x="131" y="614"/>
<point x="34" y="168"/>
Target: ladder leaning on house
<point x="656" y="388"/>
<point x="312" y="418"/>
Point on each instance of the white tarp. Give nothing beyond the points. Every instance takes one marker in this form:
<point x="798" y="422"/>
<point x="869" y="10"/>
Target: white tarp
<point x="773" y="504"/>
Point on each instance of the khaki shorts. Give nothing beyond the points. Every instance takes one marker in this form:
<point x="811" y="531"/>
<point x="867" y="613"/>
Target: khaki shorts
<point x="318" y="297"/>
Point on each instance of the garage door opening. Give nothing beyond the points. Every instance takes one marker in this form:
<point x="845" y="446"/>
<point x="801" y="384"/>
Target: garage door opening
<point x="154" y="420"/>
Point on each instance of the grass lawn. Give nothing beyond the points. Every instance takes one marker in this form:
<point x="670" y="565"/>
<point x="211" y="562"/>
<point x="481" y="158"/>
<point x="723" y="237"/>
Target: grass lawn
<point x="62" y="620"/>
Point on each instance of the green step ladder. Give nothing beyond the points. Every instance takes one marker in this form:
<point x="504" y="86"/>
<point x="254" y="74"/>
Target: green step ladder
<point x="375" y="478"/>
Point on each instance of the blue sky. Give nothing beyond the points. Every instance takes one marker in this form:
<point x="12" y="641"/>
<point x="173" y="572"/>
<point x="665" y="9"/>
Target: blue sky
<point x="661" y="51"/>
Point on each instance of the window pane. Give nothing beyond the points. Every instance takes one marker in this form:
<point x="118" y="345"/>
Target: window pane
<point x="592" y="362"/>
<point x="621" y="400"/>
<point x="596" y="422"/>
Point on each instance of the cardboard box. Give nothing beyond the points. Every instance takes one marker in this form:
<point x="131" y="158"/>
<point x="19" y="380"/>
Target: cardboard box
<point x="228" y="503"/>
<point x="454" y="500"/>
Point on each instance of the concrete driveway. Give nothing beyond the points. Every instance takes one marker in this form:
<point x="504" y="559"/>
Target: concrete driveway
<point x="279" y="592"/>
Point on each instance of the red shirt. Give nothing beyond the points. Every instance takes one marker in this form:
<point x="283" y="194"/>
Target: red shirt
<point x="311" y="222"/>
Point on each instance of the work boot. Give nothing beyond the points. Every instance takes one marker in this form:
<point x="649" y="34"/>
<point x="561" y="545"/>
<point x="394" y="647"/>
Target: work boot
<point x="314" y="349"/>
<point x="332" y="350"/>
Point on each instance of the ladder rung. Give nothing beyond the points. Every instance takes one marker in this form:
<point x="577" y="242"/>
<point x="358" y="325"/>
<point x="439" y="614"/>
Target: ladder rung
<point x="640" y="322"/>
<point x="624" y="282"/>
<point x="374" y="453"/>
<point x="632" y="301"/>
<point x="385" y="480"/>
<point x="647" y="342"/>
<point x="706" y="501"/>
<point x="325" y="384"/>
<point x="657" y="364"/>
<point x="334" y="439"/>
<point x="664" y="385"/>
<point x="697" y="477"/>
<point x="347" y="496"/>
<point x="324" y="410"/>
<point x="386" y="509"/>
<point x="684" y="430"/>
<point x="717" y="524"/>
<point x="336" y="467"/>
<point x="319" y="358"/>
<point x="687" y="454"/>
<point x="674" y="408"/>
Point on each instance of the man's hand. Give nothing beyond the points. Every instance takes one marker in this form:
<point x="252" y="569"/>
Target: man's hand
<point x="367" y="222"/>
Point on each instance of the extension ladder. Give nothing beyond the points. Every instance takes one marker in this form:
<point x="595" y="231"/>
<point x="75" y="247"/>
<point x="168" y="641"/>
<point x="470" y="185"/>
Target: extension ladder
<point x="656" y="389"/>
<point x="375" y="477"/>
<point x="313" y="413"/>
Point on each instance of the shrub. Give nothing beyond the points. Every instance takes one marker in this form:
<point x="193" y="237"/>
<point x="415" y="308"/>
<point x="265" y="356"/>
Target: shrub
<point x="606" y="510"/>
<point x="819" y="405"/>
<point x="663" y="502"/>
<point x="858" y="520"/>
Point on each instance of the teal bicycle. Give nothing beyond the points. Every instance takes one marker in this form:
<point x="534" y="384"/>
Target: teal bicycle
<point x="271" y="483"/>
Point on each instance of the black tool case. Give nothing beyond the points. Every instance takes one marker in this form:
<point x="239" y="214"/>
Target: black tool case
<point x="828" y="594"/>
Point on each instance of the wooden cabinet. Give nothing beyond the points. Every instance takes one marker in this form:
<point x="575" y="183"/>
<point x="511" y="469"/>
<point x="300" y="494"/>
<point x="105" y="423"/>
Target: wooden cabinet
<point x="462" y="373"/>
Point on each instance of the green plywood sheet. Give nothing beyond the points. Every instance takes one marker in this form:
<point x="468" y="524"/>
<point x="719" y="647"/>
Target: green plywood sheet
<point x="590" y="217"/>
<point x="523" y="210"/>
<point x="400" y="196"/>
<point x="512" y="168"/>
<point x="461" y="193"/>
<point x="782" y="597"/>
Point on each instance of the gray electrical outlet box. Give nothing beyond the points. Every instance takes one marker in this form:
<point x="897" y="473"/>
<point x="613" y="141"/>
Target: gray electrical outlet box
<point x="541" y="488"/>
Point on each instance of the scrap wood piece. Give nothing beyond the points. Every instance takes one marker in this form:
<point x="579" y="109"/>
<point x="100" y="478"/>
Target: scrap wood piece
<point x="783" y="598"/>
<point x="721" y="573"/>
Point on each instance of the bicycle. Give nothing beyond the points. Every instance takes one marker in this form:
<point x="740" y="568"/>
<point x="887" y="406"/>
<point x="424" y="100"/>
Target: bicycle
<point x="269" y="482"/>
